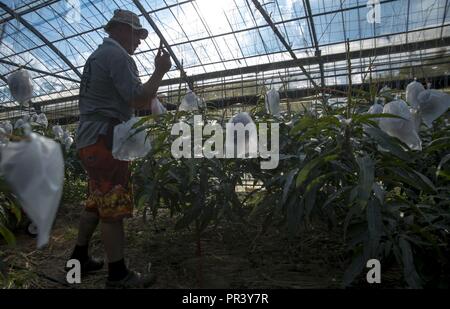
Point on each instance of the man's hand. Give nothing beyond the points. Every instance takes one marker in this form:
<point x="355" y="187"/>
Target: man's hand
<point x="162" y="66"/>
<point x="162" y="60"/>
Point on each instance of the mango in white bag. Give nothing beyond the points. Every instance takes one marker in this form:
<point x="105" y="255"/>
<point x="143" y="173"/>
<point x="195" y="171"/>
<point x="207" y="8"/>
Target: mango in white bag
<point x="58" y="132"/>
<point x="129" y="145"/>
<point x="403" y="129"/>
<point x="157" y="108"/>
<point x="35" y="171"/>
<point x="272" y="102"/>
<point x="412" y="93"/>
<point x="432" y="105"/>
<point x="191" y="102"/>
<point x="20" y="86"/>
<point x="242" y="144"/>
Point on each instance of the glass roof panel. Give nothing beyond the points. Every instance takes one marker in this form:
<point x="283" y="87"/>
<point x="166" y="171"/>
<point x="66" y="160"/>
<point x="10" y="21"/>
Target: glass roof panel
<point x="210" y="36"/>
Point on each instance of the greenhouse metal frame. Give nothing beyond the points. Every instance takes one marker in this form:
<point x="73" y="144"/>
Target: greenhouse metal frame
<point x="228" y="50"/>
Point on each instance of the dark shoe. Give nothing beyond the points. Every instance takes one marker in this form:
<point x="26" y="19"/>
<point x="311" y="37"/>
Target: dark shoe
<point x="133" y="280"/>
<point x="91" y="265"/>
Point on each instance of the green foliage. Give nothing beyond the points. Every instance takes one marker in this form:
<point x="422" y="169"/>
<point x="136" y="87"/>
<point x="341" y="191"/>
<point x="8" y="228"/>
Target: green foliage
<point x="75" y="179"/>
<point x="386" y="201"/>
<point x="201" y="190"/>
<point x="390" y="202"/>
<point x="10" y="214"/>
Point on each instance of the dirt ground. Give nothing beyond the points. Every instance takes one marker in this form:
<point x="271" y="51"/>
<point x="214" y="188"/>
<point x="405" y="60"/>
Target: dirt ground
<point x="234" y="256"/>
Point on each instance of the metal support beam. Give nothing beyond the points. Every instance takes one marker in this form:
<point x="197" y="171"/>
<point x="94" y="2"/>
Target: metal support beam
<point x="283" y="41"/>
<point x="436" y="43"/>
<point x="313" y="34"/>
<point x="41" y="37"/>
<point x="296" y="76"/>
<point x="32" y="9"/>
<point x="444" y="18"/>
<point x="67" y="99"/>
<point x="219" y="103"/>
<point x="2" y="33"/>
<point x="166" y="44"/>
<point x="366" y="53"/>
<point x="407" y="20"/>
<point x="38" y="71"/>
<point x="2" y="29"/>
<point x="233" y="32"/>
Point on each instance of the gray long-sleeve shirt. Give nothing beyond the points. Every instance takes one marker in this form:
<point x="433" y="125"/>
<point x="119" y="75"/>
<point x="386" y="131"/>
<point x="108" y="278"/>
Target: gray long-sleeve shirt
<point x="110" y="81"/>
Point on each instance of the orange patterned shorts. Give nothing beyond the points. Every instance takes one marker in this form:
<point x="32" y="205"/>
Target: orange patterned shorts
<point x="110" y="190"/>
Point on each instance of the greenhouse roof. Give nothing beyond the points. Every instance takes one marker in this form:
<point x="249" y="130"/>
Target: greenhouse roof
<point x="223" y="41"/>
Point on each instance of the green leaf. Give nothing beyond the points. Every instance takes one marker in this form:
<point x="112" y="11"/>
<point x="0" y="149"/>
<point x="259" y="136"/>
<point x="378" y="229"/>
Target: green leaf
<point x="425" y="180"/>
<point x="410" y="178"/>
<point x="354" y="210"/>
<point x="141" y="121"/>
<point x="442" y="143"/>
<point x="443" y="174"/>
<point x="310" y="200"/>
<point x="375" y="225"/>
<point x="387" y="143"/>
<point x="303" y="124"/>
<point x="7" y="235"/>
<point x="142" y="200"/>
<point x="379" y="192"/>
<point x="319" y="180"/>
<point x="353" y="194"/>
<point x="409" y="269"/>
<point x="206" y="217"/>
<point x="335" y="195"/>
<point x="441" y="164"/>
<point x="287" y="184"/>
<point x="304" y="173"/>
<point x="295" y="210"/>
<point x="314" y="126"/>
<point x="354" y="269"/>
<point x="262" y="204"/>
<point x="189" y="216"/>
<point x="365" y="118"/>
<point x="366" y="178"/>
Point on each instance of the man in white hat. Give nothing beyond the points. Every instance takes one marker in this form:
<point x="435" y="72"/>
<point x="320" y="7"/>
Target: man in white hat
<point x="110" y="92"/>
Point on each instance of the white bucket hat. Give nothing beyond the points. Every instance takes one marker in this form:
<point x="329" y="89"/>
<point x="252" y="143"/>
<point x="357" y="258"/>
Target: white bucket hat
<point x="129" y="18"/>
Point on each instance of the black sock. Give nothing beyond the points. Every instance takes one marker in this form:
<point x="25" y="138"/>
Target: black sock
<point x="117" y="270"/>
<point x="80" y="253"/>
